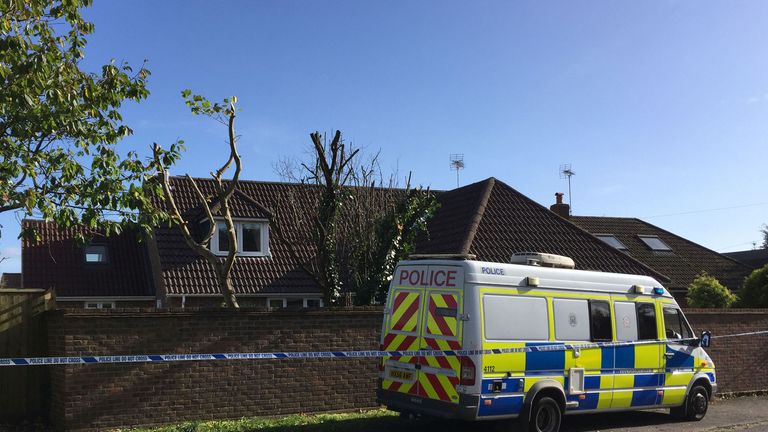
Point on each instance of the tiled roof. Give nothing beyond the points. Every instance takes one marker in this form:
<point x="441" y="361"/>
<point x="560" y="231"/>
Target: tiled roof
<point x="492" y="220"/>
<point x="681" y="264"/>
<point x="186" y="272"/>
<point x="10" y="280"/>
<point x="755" y="258"/>
<point x="57" y="261"/>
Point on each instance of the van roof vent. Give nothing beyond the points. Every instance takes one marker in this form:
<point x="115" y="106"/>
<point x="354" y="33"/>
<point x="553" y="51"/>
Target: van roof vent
<point x="542" y="259"/>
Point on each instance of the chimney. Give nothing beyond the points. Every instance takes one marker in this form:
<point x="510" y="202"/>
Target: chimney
<point x="560" y="208"/>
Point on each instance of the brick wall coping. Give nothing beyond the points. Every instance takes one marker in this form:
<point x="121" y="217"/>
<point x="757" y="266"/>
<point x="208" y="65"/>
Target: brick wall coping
<point x="713" y="311"/>
<point x="211" y="312"/>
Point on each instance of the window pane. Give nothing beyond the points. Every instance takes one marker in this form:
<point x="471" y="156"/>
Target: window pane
<point x="571" y="320"/>
<point x="275" y="303"/>
<point x="612" y="241"/>
<point x="515" y="318"/>
<point x="223" y="237"/>
<point x="674" y="325"/>
<point x="655" y="243"/>
<point x="251" y="237"/>
<point x="600" y="314"/>
<point x="106" y="305"/>
<point x="313" y="303"/>
<point x="626" y="321"/>
<point x="646" y="321"/>
<point x="295" y="303"/>
<point x="96" y="254"/>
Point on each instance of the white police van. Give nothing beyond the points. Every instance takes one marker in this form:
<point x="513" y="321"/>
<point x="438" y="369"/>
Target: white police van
<point x="551" y="341"/>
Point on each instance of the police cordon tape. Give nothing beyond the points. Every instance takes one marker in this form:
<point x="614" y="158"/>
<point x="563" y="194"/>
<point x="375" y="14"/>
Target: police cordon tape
<point x="147" y="358"/>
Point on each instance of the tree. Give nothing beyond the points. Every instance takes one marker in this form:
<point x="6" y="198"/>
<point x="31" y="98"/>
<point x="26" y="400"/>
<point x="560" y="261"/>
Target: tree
<point x="359" y="224"/>
<point x="764" y="232"/>
<point x="754" y="292"/>
<point x="224" y="113"/>
<point x="707" y="292"/>
<point x="60" y="125"/>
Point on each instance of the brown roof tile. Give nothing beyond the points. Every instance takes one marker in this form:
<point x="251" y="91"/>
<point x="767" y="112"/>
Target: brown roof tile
<point x="57" y="261"/>
<point x="185" y="272"/>
<point x="492" y="220"/>
<point x="10" y="280"/>
<point x="681" y="264"/>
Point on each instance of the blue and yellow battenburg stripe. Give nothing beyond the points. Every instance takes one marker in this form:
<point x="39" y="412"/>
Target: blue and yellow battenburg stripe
<point x="617" y="374"/>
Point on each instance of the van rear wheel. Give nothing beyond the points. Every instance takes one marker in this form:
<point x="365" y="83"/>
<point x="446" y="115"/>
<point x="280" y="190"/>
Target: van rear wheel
<point x="545" y="416"/>
<point x="695" y="406"/>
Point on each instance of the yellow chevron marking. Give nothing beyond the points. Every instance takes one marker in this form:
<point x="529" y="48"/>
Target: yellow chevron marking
<point x="427" y="387"/>
<point x="397" y="314"/>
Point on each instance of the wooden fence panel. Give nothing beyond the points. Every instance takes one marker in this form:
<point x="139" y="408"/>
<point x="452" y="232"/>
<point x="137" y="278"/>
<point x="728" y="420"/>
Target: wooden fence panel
<point x="23" y="390"/>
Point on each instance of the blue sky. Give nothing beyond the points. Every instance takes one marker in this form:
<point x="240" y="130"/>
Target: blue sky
<point x="660" y="107"/>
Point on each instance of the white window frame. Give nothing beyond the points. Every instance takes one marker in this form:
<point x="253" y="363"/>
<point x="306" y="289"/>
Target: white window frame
<point x="307" y="299"/>
<point x="99" y="304"/>
<point x="264" y="225"/>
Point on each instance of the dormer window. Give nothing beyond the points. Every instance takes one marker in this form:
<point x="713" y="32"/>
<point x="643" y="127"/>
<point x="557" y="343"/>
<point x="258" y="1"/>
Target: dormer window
<point x="96" y="254"/>
<point x="252" y="238"/>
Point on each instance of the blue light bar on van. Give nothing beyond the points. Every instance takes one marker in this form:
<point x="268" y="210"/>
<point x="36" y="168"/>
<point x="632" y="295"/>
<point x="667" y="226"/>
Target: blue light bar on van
<point x="658" y="290"/>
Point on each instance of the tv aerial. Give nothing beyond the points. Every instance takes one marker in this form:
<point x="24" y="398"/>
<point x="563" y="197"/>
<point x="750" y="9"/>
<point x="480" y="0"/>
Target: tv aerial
<point x="566" y="173"/>
<point x="457" y="163"/>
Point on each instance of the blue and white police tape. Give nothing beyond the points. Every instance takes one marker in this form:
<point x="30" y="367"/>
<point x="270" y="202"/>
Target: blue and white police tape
<point x="147" y="358"/>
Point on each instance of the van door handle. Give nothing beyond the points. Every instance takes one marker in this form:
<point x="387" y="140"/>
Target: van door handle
<point x="669" y="355"/>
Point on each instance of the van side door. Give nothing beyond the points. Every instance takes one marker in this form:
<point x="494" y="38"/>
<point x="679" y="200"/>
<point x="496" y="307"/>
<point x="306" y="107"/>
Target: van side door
<point x="637" y="367"/>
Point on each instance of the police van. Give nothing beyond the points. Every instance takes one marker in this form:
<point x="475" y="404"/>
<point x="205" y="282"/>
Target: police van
<point x="550" y="341"/>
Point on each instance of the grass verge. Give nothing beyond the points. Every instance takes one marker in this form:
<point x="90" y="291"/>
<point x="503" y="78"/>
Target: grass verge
<point x="370" y="420"/>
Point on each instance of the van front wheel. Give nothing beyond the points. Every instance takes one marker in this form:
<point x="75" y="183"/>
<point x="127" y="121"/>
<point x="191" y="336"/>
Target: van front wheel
<point x="695" y="407"/>
<point x="545" y="416"/>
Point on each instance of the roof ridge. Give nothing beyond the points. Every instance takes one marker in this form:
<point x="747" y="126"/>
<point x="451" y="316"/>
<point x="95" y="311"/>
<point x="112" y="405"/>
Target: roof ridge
<point x="475" y="223"/>
<point x="285" y="183"/>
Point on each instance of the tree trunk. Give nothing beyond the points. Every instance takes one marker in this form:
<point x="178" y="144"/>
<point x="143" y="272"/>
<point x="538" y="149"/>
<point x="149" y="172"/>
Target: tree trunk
<point x="227" y="290"/>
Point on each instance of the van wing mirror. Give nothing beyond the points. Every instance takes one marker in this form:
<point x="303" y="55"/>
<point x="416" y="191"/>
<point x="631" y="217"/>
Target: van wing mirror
<point x="705" y="339"/>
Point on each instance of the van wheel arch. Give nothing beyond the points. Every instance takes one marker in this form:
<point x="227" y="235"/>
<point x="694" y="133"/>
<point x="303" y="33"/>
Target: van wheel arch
<point x="548" y="388"/>
<point x="681" y="412"/>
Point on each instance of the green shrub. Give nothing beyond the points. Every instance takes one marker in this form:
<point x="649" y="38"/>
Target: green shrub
<point x="707" y="292"/>
<point x="754" y="293"/>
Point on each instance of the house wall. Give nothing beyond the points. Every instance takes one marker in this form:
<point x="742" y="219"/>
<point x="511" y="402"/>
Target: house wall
<point x="99" y="396"/>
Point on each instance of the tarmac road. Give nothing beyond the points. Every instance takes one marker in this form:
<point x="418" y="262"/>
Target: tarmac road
<point x="737" y="414"/>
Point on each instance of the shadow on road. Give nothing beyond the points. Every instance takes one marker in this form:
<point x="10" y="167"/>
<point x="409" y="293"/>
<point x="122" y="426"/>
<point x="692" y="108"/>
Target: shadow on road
<point x="595" y="422"/>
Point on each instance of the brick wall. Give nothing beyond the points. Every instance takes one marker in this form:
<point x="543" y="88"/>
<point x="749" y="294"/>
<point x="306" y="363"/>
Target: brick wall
<point x="740" y="361"/>
<point x="101" y="396"/>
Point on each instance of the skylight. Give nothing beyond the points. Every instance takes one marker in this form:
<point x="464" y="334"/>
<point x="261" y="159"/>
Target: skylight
<point x="95" y="254"/>
<point x="655" y="243"/>
<point x="612" y="241"/>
